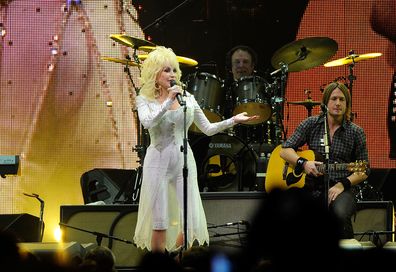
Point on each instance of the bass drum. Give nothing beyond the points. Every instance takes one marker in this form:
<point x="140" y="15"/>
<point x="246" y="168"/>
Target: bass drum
<point x="224" y="163"/>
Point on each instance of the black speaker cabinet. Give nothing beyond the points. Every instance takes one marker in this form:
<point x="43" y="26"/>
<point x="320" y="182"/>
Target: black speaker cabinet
<point x="229" y="215"/>
<point x="80" y="223"/>
<point x="25" y="226"/>
<point x="374" y="221"/>
<point x="112" y="186"/>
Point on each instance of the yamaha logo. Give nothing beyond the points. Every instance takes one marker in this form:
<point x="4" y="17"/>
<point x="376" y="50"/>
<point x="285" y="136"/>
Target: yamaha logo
<point x="220" y="145"/>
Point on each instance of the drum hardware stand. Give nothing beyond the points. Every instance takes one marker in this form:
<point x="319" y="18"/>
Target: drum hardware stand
<point x="309" y="107"/>
<point x="142" y="137"/>
<point x="278" y="101"/>
<point x="351" y="78"/>
<point x="239" y="157"/>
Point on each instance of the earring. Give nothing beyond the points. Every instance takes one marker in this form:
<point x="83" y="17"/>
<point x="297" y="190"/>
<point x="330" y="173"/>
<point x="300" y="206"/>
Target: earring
<point x="156" y="86"/>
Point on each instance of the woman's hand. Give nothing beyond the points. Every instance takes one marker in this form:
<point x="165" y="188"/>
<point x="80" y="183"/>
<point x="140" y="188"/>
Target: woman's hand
<point x="243" y="117"/>
<point x="173" y="91"/>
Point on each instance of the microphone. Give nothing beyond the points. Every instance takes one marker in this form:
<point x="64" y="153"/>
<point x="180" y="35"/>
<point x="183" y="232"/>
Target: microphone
<point x="324" y="108"/>
<point x="178" y="96"/>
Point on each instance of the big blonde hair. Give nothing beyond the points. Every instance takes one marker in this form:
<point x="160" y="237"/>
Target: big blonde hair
<point x="152" y="66"/>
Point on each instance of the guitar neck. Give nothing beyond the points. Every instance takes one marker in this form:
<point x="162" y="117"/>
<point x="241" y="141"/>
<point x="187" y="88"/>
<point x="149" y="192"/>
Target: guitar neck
<point x="332" y="167"/>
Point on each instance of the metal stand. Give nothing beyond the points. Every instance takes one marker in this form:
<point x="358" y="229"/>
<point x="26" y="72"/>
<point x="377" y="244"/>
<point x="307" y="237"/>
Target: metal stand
<point x="41" y="227"/>
<point x="184" y="149"/>
<point x="99" y="235"/>
<point x="327" y="159"/>
<point x="142" y="137"/>
<point x="351" y="78"/>
<point x="278" y="102"/>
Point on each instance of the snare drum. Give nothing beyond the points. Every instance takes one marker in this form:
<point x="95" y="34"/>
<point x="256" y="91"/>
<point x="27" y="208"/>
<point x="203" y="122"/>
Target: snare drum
<point x="250" y="95"/>
<point x="209" y="92"/>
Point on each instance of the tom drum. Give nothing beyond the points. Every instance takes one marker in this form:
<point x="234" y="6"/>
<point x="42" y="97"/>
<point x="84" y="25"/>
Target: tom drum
<point x="209" y="92"/>
<point x="251" y="96"/>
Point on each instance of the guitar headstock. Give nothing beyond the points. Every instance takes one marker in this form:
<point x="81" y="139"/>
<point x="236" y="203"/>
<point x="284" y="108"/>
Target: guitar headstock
<point x="358" y="167"/>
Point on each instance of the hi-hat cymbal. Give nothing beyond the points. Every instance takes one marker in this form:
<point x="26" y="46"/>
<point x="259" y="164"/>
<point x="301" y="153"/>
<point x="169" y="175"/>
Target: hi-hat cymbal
<point x="351" y="59"/>
<point x="306" y="103"/>
<point x="130" y="41"/>
<point x="305" y="53"/>
<point x="181" y="60"/>
<point x="123" y="61"/>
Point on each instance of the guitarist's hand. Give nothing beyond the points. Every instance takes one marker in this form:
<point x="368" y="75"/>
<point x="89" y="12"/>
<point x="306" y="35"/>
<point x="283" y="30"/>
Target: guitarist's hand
<point x="310" y="168"/>
<point x="335" y="191"/>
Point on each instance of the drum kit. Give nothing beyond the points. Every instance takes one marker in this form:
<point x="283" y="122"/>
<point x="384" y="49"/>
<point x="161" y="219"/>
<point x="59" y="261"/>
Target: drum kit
<point x="231" y="159"/>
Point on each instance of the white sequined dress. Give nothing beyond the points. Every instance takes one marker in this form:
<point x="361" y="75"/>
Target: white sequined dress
<point x="163" y="172"/>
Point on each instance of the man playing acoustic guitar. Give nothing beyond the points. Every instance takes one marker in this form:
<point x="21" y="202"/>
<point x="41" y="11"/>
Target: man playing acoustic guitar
<point x="346" y="142"/>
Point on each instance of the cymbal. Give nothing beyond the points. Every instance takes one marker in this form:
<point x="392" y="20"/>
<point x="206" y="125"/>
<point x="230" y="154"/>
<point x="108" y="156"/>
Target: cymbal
<point x="304" y="54"/>
<point x="306" y="103"/>
<point x="123" y="61"/>
<point x="351" y="59"/>
<point x="182" y="60"/>
<point x="147" y="48"/>
<point x="130" y="41"/>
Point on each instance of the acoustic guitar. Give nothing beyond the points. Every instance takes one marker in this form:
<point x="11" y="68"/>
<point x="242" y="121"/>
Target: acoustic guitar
<point x="281" y="175"/>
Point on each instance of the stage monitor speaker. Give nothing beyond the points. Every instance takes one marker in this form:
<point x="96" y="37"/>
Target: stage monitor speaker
<point x="374" y="222"/>
<point x="112" y="186"/>
<point x="229" y="215"/>
<point x="25" y="226"/>
<point x="59" y="253"/>
<point x="115" y="221"/>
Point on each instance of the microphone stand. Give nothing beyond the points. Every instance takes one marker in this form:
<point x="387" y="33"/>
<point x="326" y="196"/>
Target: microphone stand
<point x="327" y="159"/>
<point x="99" y="235"/>
<point x="41" y="222"/>
<point x="184" y="149"/>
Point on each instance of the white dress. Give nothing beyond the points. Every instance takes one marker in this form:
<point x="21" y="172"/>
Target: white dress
<point x="163" y="172"/>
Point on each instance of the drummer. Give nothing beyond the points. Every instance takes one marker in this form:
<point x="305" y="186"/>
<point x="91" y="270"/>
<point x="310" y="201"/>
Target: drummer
<point x="241" y="61"/>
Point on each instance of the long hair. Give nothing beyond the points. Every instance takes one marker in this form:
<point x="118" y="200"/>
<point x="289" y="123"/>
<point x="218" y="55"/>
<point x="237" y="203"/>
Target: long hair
<point x="328" y="90"/>
<point x="152" y="66"/>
